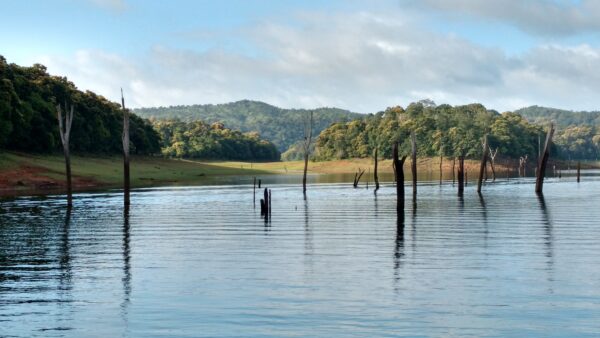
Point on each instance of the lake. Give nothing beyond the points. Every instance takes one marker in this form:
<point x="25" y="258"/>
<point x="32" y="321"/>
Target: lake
<point x="201" y="262"/>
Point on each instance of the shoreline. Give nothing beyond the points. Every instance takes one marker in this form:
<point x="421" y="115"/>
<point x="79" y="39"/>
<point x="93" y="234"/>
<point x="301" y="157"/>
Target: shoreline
<point x="23" y="174"/>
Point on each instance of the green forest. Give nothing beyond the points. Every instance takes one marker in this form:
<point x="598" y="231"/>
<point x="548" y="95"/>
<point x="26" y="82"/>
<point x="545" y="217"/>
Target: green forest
<point x="280" y="126"/>
<point x="203" y="141"/>
<point x="251" y="130"/>
<point x="451" y="131"/>
<point x="28" y="122"/>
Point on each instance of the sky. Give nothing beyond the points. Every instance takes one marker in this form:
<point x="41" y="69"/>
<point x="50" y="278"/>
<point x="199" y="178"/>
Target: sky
<point x="358" y="55"/>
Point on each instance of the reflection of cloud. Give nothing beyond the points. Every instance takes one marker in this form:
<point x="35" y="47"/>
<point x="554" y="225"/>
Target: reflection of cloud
<point x="360" y="61"/>
<point x="115" y="5"/>
<point x="562" y="17"/>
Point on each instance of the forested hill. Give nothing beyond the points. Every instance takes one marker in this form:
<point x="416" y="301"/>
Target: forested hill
<point x="28" y="122"/>
<point x="561" y="117"/>
<point x="283" y="127"/>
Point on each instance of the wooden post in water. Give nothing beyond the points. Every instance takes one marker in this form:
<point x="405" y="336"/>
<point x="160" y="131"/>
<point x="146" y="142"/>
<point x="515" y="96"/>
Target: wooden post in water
<point x="483" y="165"/>
<point x="254" y="191"/>
<point x="399" y="177"/>
<point x="541" y="171"/>
<point x="259" y="183"/>
<point x="578" y="171"/>
<point x="461" y="175"/>
<point x="413" y="163"/>
<point x="64" y="129"/>
<point x="266" y="202"/>
<point x="375" y="177"/>
<point x="126" y="184"/>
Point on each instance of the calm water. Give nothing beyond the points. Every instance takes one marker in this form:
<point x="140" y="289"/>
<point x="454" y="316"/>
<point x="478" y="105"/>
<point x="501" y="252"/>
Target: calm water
<point x="199" y="261"/>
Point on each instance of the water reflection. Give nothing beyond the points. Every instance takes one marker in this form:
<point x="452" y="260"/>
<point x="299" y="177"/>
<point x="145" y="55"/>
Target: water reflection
<point x="548" y="236"/>
<point x="126" y="259"/>
<point x="399" y="247"/>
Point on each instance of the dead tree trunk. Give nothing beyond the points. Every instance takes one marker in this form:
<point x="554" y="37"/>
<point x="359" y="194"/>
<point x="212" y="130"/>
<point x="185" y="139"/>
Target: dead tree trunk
<point x="453" y="170"/>
<point x="375" y="177"/>
<point x="541" y="171"/>
<point x="413" y="164"/>
<point x="64" y="128"/>
<point x="441" y="160"/>
<point x="492" y="162"/>
<point x="308" y="128"/>
<point x="483" y="166"/>
<point x="126" y="184"/>
<point x="578" y="171"/>
<point x="461" y="175"/>
<point x="399" y="176"/>
<point x="254" y="192"/>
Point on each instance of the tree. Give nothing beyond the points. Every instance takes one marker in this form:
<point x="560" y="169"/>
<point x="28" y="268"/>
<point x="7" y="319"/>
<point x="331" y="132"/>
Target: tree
<point x="64" y="127"/>
<point x="308" y="129"/>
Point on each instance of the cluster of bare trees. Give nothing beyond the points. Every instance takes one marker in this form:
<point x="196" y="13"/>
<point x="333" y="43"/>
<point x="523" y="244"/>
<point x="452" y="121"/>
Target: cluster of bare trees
<point x="64" y="126"/>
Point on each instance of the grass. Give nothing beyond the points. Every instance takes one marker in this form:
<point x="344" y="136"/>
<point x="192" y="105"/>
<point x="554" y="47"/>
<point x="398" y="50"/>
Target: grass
<point x="20" y="171"/>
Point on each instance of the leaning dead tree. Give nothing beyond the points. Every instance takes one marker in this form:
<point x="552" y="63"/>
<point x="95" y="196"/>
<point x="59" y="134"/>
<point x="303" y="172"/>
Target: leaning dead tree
<point x="126" y="185"/>
<point x="541" y="170"/>
<point x="441" y="161"/>
<point x="399" y="176"/>
<point x="308" y="129"/>
<point x="483" y="166"/>
<point x="375" y="177"/>
<point x="64" y="129"/>
<point x="357" y="176"/>
<point x="413" y="163"/>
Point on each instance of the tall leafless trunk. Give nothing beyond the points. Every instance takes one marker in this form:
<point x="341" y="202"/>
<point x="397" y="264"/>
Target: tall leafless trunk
<point x="64" y="129"/>
<point x="483" y="166"/>
<point x="578" y="171"/>
<point x="399" y="176"/>
<point x="126" y="183"/>
<point x="375" y="177"/>
<point x="413" y="164"/>
<point x="541" y="171"/>
<point x="308" y="129"/>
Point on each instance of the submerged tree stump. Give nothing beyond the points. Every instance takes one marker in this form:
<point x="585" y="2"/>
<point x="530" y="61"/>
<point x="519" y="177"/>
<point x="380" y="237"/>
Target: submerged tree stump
<point x="578" y="171"/>
<point x="357" y="177"/>
<point x="541" y="171"/>
<point x="399" y="178"/>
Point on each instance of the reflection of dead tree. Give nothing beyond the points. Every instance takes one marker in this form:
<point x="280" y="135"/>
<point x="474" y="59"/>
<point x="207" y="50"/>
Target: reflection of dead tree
<point x="64" y="128"/>
<point x="523" y="166"/>
<point x="493" y="154"/>
<point x="308" y="129"/>
<point x="357" y="176"/>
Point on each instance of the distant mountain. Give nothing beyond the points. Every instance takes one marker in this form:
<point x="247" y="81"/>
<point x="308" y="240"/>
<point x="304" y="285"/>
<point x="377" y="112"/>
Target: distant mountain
<point x="562" y="118"/>
<point x="283" y="127"/>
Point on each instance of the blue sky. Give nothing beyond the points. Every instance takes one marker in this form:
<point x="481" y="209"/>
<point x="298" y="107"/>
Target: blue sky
<point x="358" y="55"/>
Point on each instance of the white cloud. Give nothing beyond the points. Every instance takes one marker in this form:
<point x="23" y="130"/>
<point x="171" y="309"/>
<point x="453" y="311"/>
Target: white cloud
<point x="544" y="17"/>
<point x="362" y="61"/>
